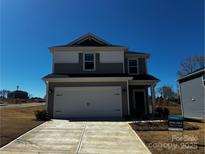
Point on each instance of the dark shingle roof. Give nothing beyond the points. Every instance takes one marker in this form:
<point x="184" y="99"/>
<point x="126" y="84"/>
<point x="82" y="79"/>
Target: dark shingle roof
<point x="135" y="77"/>
<point x="145" y="77"/>
<point x="137" y="53"/>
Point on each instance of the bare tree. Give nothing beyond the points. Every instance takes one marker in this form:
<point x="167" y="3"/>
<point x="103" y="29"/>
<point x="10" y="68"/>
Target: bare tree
<point x="190" y="64"/>
<point x="167" y="92"/>
<point x="4" y="93"/>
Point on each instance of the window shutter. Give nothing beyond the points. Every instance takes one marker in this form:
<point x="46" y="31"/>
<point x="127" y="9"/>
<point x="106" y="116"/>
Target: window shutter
<point x="142" y="66"/>
<point x="81" y="60"/>
<point x="97" y="56"/>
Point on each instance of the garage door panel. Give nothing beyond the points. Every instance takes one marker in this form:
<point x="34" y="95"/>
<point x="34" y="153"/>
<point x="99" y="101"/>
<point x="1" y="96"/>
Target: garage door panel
<point x="71" y="102"/>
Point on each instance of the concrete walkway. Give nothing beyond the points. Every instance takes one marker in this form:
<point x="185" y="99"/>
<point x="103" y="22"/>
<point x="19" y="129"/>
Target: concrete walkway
<point x="64" y="137"/>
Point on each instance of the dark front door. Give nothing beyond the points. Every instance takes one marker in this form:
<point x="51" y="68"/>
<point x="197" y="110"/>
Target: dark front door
<point x="139" y="103"/>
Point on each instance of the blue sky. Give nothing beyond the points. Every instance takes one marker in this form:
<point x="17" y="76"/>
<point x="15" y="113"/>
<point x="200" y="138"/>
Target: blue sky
<point x="170" y="30"/>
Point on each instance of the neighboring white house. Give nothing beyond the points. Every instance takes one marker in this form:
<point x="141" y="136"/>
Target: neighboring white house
<point x="192" y="88"/>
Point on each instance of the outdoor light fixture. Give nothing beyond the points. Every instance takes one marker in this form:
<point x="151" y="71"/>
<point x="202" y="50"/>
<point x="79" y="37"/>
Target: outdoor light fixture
<point x="50" y="91"/>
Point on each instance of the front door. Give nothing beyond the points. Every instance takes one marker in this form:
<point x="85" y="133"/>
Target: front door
<point x="139" y="102"/>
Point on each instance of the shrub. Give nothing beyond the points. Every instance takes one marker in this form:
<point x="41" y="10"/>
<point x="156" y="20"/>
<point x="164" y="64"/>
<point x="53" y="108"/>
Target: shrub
<point x="159" y="111"/>
<point x="166" y="112"/>
<point x="162" y="112"/>
<point x="42" y="115"/>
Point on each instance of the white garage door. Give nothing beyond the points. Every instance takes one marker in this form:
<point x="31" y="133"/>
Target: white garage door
<point x="87" y="102"/>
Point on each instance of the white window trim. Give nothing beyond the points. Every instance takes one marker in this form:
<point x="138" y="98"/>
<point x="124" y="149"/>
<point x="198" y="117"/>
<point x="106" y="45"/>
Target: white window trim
<point x="129" y="66"/>
<point x="145" y="99"/>
<point x="94" y="60"/>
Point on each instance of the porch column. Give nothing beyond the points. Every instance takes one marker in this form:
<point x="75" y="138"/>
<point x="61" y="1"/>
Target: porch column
<point x="128" y="100"/>
<point x="153" y="98"/>
<point x="46" y="82"/>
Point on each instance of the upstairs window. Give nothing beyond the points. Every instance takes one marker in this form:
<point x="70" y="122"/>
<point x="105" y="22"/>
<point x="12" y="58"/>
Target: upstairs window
<point x="89" y="62"/>
<point x="132" y="66"/>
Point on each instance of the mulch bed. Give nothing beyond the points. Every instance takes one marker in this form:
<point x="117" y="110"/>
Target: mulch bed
<point x="158" y="126"/>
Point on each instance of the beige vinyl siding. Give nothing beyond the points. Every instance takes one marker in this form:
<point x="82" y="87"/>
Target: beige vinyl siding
<point x="112" y="57"/>
<point x="66" y="57"/>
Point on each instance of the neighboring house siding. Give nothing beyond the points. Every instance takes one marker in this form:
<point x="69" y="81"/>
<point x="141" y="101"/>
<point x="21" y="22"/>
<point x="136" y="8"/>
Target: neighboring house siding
<point x="71" y="68"/>
<point x="192" y="97"/>
<point x="86" y="84"/>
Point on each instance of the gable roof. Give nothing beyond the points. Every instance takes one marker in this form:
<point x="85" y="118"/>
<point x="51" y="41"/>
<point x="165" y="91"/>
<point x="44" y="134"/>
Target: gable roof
<point x="195" y="74"/>
<point x="87" y="40"/>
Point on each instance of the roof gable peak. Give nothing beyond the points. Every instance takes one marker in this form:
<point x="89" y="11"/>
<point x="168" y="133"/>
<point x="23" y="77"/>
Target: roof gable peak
<point x="89" y="39"/>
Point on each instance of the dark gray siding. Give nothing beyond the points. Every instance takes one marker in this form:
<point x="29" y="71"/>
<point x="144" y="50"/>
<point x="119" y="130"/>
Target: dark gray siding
<point x="192" y="97"/>
<point x="141" y="63"/>
<point x="78" y="67"/>
<point x="126" y="65"/>
<point x="66" y="68"/>
<point x="142" y="66"/>
<point x="86" y="84"/>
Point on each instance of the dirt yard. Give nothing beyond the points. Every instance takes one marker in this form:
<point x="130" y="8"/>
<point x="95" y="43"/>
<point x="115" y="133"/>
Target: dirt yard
<point x="174" y="109"/>
<point x="16" y="121"/>
<point x="169" y="142"/>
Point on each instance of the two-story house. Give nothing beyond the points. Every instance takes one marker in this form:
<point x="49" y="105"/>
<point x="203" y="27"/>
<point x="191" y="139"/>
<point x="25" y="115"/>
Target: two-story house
<point x="92" y="78"/>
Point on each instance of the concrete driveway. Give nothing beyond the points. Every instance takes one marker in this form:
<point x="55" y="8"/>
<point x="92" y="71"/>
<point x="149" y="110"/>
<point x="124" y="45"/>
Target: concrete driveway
<point x="64" y="137"/>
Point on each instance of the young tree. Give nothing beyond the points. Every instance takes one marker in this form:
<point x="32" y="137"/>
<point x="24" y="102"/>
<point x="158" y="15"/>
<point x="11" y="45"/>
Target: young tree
<point x="190" y="64"/>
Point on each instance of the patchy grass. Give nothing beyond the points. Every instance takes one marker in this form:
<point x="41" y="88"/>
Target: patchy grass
<point x="158" y="126"/>
<point x="17" y="121"/>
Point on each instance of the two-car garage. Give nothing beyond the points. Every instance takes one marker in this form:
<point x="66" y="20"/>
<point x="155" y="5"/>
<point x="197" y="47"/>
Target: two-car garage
<point x="87" y="102"/>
